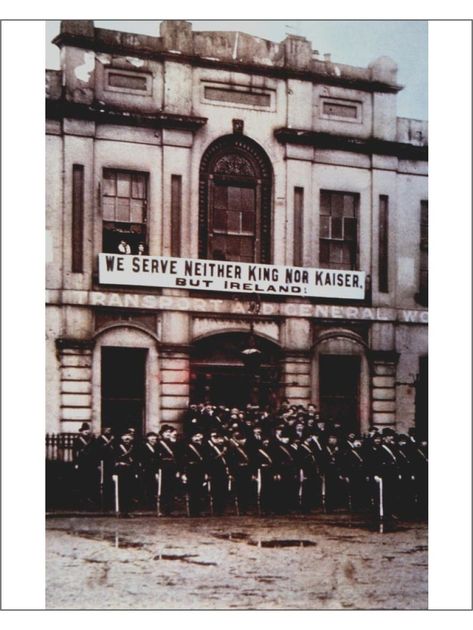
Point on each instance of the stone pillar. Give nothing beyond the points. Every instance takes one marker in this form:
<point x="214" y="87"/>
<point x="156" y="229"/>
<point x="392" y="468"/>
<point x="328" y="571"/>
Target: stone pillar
<point x="383" y="388"/>
<point x="295" y="377"/>
<point x="75" y="358"/>
<point x="175" y="377"/>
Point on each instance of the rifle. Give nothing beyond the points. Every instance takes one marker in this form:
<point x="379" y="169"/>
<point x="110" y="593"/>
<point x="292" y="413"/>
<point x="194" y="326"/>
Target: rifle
<point x="258" y="490"/>
<point x="235" y="496"/>
<point x="101" y="487"/>
<point x="159" y="478"/>
<point x="117" y="500"/>
<point x="348" y="482"/>
<point x="379" y="481"/>
<point x="208" y="483"/>
<point x="323" y="490"/>
<point x="301" y="486"/>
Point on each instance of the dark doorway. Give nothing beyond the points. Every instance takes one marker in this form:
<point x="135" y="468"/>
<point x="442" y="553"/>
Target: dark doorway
<point x="219" y="376"/>
<point x="123" y="388"/>
<point x="339" y="378"/>
<point x="422" y="398"/>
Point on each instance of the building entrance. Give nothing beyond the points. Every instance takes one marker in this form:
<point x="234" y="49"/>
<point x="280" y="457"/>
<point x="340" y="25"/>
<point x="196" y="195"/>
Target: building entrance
<point x="219" y="376"/>
<point x="339" y="390"/>
<point x="123" y="388"/>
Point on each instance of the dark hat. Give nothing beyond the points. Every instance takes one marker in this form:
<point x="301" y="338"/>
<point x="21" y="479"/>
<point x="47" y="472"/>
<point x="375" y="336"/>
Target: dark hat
<point x="388" y="431"/>
<point x="85" y="427"/>
<point x="166" y="427"/>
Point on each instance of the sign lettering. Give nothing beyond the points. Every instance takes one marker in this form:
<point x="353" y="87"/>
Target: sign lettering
<point x="232" y="277"/>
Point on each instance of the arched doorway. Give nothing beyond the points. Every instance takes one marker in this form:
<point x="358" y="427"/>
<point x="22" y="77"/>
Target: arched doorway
<point x="124" y="376"/>
<point x="235" y="201"/>
<point x="341" y="379"/>
<point x="219" y="374"/>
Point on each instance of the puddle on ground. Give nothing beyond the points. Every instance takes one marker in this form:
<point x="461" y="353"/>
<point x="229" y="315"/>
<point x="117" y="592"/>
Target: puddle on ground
<point x="282" y="543"/>
<point x="235" y="536"/>
<point x="112" y="538"/>
<point x="242" y="537"/>
<point x="184" y="558"/>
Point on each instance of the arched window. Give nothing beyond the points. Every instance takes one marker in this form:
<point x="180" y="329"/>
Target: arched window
<point x="235" y="201"/>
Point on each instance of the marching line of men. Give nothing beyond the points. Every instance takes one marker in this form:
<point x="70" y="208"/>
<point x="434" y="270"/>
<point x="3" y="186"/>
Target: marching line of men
<point x="233" y="462"/>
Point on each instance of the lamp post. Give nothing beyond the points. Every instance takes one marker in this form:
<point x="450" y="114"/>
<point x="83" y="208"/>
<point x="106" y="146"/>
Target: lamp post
<point x="252" y="356"/>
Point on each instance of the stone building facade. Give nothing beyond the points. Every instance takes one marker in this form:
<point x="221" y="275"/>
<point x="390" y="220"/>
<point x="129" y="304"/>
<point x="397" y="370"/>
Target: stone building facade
<point x="221" y="145"/>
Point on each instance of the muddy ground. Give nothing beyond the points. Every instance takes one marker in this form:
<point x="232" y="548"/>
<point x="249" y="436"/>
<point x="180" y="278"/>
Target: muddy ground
<point x="312" y="562"/>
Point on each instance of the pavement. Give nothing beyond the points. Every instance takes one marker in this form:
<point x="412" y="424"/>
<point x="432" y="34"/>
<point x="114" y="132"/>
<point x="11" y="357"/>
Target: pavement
<point x="298" y="562"/>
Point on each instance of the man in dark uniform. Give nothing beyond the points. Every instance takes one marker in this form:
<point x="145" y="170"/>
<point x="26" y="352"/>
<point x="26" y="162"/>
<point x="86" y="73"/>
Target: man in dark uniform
<point x="307" y="475"/>
<point x="241" y="470"/>
<point x="168" y="469"/>
<point x="103" y="447"/>
<point x="421" y="464"/>
<point x="285" y="473"/>
<point x="85" y="465"/>
<point x="148" y="461"/>
<point x="334" y="489"/>
<point x="354" y="471"/>
<point x="126" y="473"/>
<point x="194" y="466"/>
<point x="219" y="472"/>
<point x="405" y="453"/>
<point x="382" y="465"/>
<point x="263" y="469"/>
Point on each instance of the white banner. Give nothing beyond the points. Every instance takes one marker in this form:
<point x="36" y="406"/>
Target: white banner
<point x="234" y="277"/>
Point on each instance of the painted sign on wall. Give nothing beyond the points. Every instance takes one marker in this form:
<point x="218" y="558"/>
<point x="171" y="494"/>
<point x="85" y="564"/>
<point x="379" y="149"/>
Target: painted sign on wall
<point x="234" y="277"/>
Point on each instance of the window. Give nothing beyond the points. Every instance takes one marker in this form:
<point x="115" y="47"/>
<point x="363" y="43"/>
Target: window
<point x="298" y="225"/>
<point x="176" y="209"/>
<point x="124" y="205"/>
<point x="235" y="201"/>
<point x="233" y="222"/>
<point x="423" y="295"/>
<point x="338" y="230"/>
<point x="77" y="218"/>
<point x="383" y="245"/>
<point x="336" y="109"/>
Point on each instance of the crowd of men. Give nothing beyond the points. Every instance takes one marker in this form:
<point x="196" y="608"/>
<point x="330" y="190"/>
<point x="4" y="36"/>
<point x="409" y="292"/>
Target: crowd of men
<point x="233" y="461"/>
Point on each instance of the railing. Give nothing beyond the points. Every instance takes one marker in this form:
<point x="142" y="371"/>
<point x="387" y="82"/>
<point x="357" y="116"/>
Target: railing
<point x="59" y="447"/>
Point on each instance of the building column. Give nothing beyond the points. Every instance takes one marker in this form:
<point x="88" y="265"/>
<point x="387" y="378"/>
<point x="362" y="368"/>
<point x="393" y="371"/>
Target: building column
<point x="383" y="388"/>
<point x="75" y="359"/>
<point x="175" y="382"/>
<point x="295" y="377"/>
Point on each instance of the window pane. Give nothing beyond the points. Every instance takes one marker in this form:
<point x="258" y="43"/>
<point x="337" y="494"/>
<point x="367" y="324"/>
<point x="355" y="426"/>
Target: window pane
<point x="325" y="202"/>
<point x="138" y="188"/>
<point x="324" y="252"/>
<point x="350" y="229"/>
<point x="220" y="220"/>
<point x="233" y="247"/>
<point x="123" y="209"/>
<point x="220" y="197"/>
<point x="136" y="211"/>
<point x="109" y="185"/>
<point x="348" y="205"/>
<point x="346" y="254"/>
<point x="337" y="205"/>
<point x="218" y="248"/>
<point x="325" y="227"/>
<point x="108" y="208"/>
<point x="247" y="199"/>
<point x="248" y="222"/>
<point x="234" y="221"/>
<point x="123" y="184"/>
<point x="336" y="252"/>
<point x="246" y="249"/>
<point x="234" y="198"/>
<point x="337" y="228"/>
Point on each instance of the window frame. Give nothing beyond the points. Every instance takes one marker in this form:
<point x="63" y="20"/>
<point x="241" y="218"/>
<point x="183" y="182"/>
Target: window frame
<point x="354" y="250"/>
<point x="141" y="227"/>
